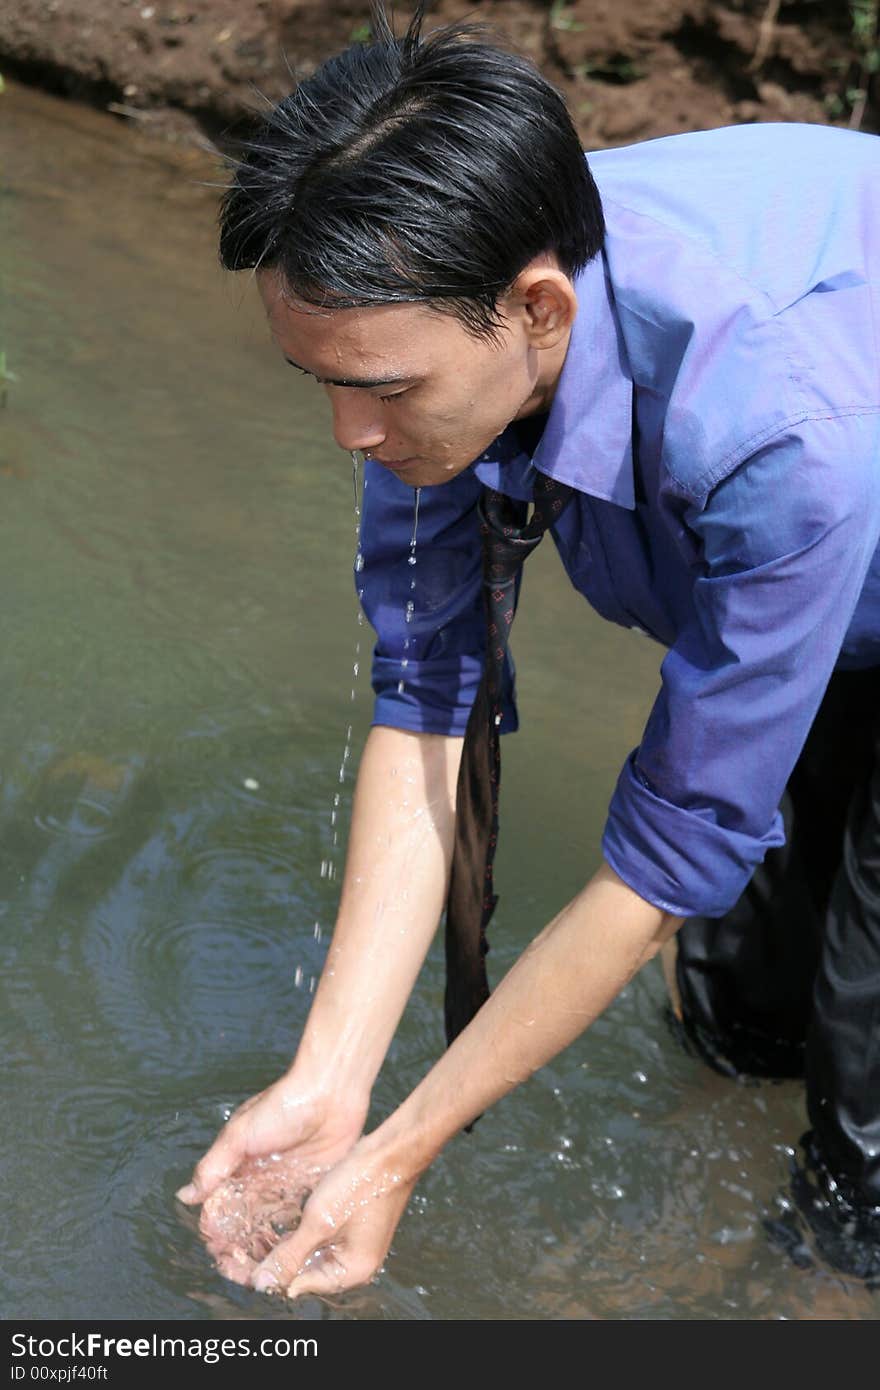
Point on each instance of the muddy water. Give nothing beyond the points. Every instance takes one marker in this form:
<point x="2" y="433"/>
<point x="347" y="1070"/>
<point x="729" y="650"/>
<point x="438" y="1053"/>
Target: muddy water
<point x="179" y="629"/>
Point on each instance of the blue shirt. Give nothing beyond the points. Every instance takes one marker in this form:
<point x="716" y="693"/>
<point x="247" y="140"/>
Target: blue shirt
<point x="718" y="413"/>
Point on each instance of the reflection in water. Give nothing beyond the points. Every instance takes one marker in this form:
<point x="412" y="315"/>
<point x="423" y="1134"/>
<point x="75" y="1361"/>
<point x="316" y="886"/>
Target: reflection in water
<point x="176" y="572"/>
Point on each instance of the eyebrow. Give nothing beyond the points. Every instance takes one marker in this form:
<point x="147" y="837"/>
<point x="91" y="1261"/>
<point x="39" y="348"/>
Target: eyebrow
<point x="364" y="383"/>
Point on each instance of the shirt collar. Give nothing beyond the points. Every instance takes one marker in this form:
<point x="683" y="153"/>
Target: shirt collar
<point x="587" y="441"/>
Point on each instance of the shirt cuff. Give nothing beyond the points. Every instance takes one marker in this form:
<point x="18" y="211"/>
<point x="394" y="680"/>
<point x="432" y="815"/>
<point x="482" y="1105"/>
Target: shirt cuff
<point x="436" y="695"/>
<point x="681" y="861"/>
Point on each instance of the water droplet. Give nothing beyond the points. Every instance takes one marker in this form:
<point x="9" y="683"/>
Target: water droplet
<point x="410" y="609"/>
<point x="252" y="784"/>
<point x="359" y="562"/>
<point x="298" y="976"/>
<point x="400" y="687"/>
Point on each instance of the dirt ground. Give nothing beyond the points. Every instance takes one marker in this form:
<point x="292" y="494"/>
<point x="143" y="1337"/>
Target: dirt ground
<point x="630" y="69"/>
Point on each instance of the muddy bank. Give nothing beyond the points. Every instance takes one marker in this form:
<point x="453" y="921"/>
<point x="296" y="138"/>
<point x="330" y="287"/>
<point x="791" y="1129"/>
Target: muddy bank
<point x="631" y="69"/>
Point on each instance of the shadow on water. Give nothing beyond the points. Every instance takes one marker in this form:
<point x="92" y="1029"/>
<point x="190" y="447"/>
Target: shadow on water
<point x="179" y="624"/>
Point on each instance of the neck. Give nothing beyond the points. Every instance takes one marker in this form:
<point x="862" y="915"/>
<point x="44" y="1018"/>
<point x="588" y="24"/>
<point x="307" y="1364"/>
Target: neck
<point x="551" y="363"/>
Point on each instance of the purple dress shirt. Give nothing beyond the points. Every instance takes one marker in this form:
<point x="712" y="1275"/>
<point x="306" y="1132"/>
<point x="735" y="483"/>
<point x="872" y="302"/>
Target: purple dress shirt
<point x="719" y="414"/>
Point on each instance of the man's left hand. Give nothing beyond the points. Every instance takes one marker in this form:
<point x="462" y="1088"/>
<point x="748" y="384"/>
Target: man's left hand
<point x="347" y="1227"/>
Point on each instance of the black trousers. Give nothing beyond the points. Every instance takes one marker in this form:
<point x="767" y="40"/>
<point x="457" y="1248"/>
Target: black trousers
<point x="788" y="983"/>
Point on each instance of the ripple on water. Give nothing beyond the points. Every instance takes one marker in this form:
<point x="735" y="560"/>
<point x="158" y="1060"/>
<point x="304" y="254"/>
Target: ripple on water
<point x="238" y="867"/>
<point x="98" y="1119"/>
<point x="174" y="989"/>
<point x="89" y="819"/>
<point x="80" y="795"/>
<point x="174" y="961"/>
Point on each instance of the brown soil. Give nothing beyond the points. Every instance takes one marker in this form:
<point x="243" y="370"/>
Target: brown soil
<point x="630" y="69"/>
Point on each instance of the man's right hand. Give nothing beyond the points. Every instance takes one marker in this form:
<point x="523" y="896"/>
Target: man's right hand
<point x="256" y="1176"/>
<point x="286" y="1116"/>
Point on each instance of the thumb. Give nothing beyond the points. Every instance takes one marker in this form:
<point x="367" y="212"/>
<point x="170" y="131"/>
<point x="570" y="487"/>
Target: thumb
<point x="292" y="1256"/>
<point x="324" y="1273"/>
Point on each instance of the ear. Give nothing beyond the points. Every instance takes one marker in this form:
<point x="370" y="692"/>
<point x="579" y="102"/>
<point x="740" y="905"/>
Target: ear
<point x="543" y="300"/>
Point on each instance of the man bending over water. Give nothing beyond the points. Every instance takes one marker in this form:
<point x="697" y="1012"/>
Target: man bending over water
<point x="685" y="334"/>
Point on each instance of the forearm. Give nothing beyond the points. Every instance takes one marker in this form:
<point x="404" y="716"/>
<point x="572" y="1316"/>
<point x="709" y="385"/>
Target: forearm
<point x="568" y="975"/>
<point x="393" y="891"/>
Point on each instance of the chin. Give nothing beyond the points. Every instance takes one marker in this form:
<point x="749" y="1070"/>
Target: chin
<point x="425" y="475"/>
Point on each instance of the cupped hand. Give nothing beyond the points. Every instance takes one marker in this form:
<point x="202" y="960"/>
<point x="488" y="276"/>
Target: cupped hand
<point x="346" y="1229"/>
<point x="256" y="1176"/>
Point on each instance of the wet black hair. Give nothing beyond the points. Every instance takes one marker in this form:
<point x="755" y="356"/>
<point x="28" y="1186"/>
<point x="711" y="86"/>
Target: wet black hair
<point x="429" y="167"/>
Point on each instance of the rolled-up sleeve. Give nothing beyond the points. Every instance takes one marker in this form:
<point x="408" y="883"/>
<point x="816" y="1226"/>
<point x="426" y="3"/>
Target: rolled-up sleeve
<point x="428" y="617"/>
<point x="784" y="546"/>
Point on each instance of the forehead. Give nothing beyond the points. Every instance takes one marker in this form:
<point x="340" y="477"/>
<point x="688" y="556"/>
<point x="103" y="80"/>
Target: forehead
<point x="372" y="340"/>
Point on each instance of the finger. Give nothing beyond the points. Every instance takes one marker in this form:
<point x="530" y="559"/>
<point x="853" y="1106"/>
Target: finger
<point x="236" y="1265"/>
<point x="221" y="1160"/>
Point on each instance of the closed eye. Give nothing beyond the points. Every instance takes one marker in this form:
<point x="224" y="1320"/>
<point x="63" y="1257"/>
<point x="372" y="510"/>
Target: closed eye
<point x="353" y="385"/>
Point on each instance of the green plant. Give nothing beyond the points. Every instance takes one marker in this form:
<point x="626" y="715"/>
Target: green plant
<point x="561" y="18"/>
<point x="864" y="24"/>
<point x="865" y="17"/>
<point x="616" y="69"/>
<point x="361" y="33"/>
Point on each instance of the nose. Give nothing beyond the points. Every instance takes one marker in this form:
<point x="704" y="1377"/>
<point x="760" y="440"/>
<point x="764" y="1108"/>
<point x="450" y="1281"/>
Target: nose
<point x="357" y="419"/>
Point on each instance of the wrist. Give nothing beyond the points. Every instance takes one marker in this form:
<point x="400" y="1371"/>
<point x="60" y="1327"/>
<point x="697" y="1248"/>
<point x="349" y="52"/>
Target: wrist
<point x="405" y="1144"/>
<point x="339" y="1049"/>
<point x="317" y="1076"/>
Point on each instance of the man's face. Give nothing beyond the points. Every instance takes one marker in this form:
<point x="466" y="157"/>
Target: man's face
<point x="432" y="396"/>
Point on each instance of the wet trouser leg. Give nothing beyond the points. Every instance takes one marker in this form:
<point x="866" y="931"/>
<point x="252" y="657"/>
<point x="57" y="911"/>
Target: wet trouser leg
<point x="843" y="1038"/>
<point x="789" y="980"/>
